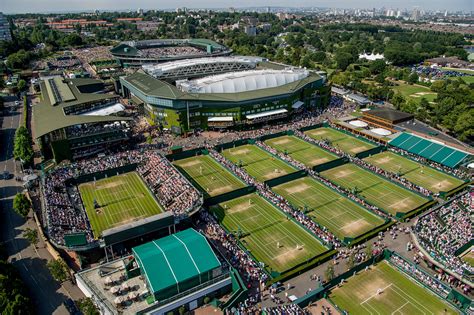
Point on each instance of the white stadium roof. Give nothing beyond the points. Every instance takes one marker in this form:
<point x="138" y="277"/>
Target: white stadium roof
<point x="358" y="123"/>
<point x="168" y="66"/>
<point x="235" y="82"/>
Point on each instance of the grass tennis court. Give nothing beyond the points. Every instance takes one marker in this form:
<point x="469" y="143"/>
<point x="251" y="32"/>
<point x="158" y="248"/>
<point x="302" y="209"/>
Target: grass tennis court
<point x="122" y="199"/>
<point x="415" y="172"/>
<point x="258" y="162"/>
<point x="340" y="140"/>
<point x="301" y="151"/>
<point x="468" y="256"/>
<point x="399" y="295"/>
<point x="267" y="233"/>
<point x="213" y="179"/>
<point x="375" y="189"/>
<point x="326" y="207"/>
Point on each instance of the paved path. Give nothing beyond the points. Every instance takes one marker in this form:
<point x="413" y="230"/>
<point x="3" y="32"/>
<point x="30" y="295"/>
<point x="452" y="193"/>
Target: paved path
<point x="45" y="292"/>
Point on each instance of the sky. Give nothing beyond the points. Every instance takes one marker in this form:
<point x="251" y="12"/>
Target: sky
<point x="41" y="6"/>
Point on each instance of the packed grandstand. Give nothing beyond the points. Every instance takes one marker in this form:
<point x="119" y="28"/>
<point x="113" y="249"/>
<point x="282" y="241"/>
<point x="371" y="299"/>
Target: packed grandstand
<point x="63" y="204"/>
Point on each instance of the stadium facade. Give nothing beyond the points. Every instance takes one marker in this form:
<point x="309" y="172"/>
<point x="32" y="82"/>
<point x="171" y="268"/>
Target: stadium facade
<point x="231" y="92"/>
<point x="75" y="120"/>
<point x="137" y="53"/>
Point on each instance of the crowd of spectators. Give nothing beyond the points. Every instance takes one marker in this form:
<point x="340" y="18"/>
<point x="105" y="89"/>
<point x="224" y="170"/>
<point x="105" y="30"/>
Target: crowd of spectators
<point x="94" y="128"/>
<point x="88" y="55"/>
<point x="172" y="51"/>
<point x="443" y="231"/>
<point x="421" y="276"/>
<point x="65" y="212"/>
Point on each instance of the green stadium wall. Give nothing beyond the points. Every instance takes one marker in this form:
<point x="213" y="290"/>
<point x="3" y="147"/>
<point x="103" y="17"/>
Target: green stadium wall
<point x="331" y="164"/>
<point x="276" y="135"/>
<point x="370" y="152"/>
<point x="285" y="178"/>
<point x="229" y="195"/>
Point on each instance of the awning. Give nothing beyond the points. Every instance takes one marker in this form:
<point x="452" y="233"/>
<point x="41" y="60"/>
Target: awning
<point x="220" y="119"/>
<point x="106" y="111"/>
<point x="298" y="104"/>
<point x="269" y="113"/>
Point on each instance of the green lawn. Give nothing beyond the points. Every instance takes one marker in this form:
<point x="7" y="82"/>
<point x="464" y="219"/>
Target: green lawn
<point x="415" y="172"/>
<point x="257" y="162"/>
<point x="340" y="140"/>
<point x="213" y="179"/>
<point x="415" y="91"/>
<point x="400" y="294"/>
<point x="301" y="151"/>
<point x="468" y="256"/>
<point x="122" y="199"/>
<point x="459" y="70"/>
<point x="267" y="233"/>
<point x="375" y="189"/>
<point x="326" y="207"/>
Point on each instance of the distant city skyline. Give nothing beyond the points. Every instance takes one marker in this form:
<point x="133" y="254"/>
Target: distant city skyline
<point x="42" y="6"/>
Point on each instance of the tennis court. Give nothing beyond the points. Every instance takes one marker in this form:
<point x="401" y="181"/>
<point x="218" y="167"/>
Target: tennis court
<point x="415" y="172"/>
<point x="384" y="290"/>
<point x="375" y="189"/>
<point x="267" y="233"/>
<point x="120" y="199"/>
<point x="301" y="151"/>
<point x="342" y="217"/>
<point x="213" y="178"/>
<point x="257" y="162"/>
<point x="340" y="140"/>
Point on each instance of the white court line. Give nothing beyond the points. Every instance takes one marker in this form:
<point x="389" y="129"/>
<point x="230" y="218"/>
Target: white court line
<point x="398" y="309"/>
<point x="383" y="289"/>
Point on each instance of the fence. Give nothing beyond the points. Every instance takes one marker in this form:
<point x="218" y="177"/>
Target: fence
<point x="370" y="152"/>
<point x="331" y="164"/>
<point x="185" y="154"/>
<point x="276" y="135"/>
<point x="229" y="195"/>
<point x="233" y="144"/>
<point x="285" y="178"/>
<point x="103" y="174"/>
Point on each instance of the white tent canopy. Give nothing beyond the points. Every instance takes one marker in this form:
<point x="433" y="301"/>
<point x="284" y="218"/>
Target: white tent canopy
<point x="297" y="104"/>
<point x="220" y="119"/>
<point x="381" y="131"/>
<point x="358" y="123"/>
<point x="106" y="111"/>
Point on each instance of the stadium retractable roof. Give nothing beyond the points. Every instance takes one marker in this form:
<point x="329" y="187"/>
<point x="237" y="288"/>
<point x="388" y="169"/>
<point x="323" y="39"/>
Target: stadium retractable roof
<point x="243" y="81"/>
<point x="174" y="259"/>
<point x="430" y="150"/>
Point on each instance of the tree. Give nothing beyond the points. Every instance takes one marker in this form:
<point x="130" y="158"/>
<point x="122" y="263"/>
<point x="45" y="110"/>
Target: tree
<point x="32" y="236"/>
<point x="397" y="100"/>
<point x="58" y="270"/>
<point x="343" y="60"/>
<point x="87" y="306"/>
<point x="21" y="85"/>
<point x="368" y="251"/>
<point x="329" y="273"/>
<point x="13" y="295"/>
<point x="413" y="78"/>
<point x="22" y="147"/>
<point x="21" y="205"/>
<point x="351" y="261"/>
<point x="377" y="66"/>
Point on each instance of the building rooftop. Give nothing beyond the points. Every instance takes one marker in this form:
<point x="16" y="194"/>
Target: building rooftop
<point x="171" y="65"/>
<point x="49" y="114"/>
<point x="235" y="82"/>
<point x="172" y="260"/>
<point x="151" y="86"/>
<point x="389" y="114"/>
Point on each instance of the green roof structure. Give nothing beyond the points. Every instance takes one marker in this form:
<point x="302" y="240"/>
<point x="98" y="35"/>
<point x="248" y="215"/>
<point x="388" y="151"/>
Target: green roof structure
<point x="176" y="263"/>
<point x="57" y="95"/>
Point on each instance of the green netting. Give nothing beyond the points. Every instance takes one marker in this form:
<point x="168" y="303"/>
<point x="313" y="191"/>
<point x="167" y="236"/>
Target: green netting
<point x="176" y="263"/>
<point x="428" y="149"/>
<point x="75" y="239"/>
